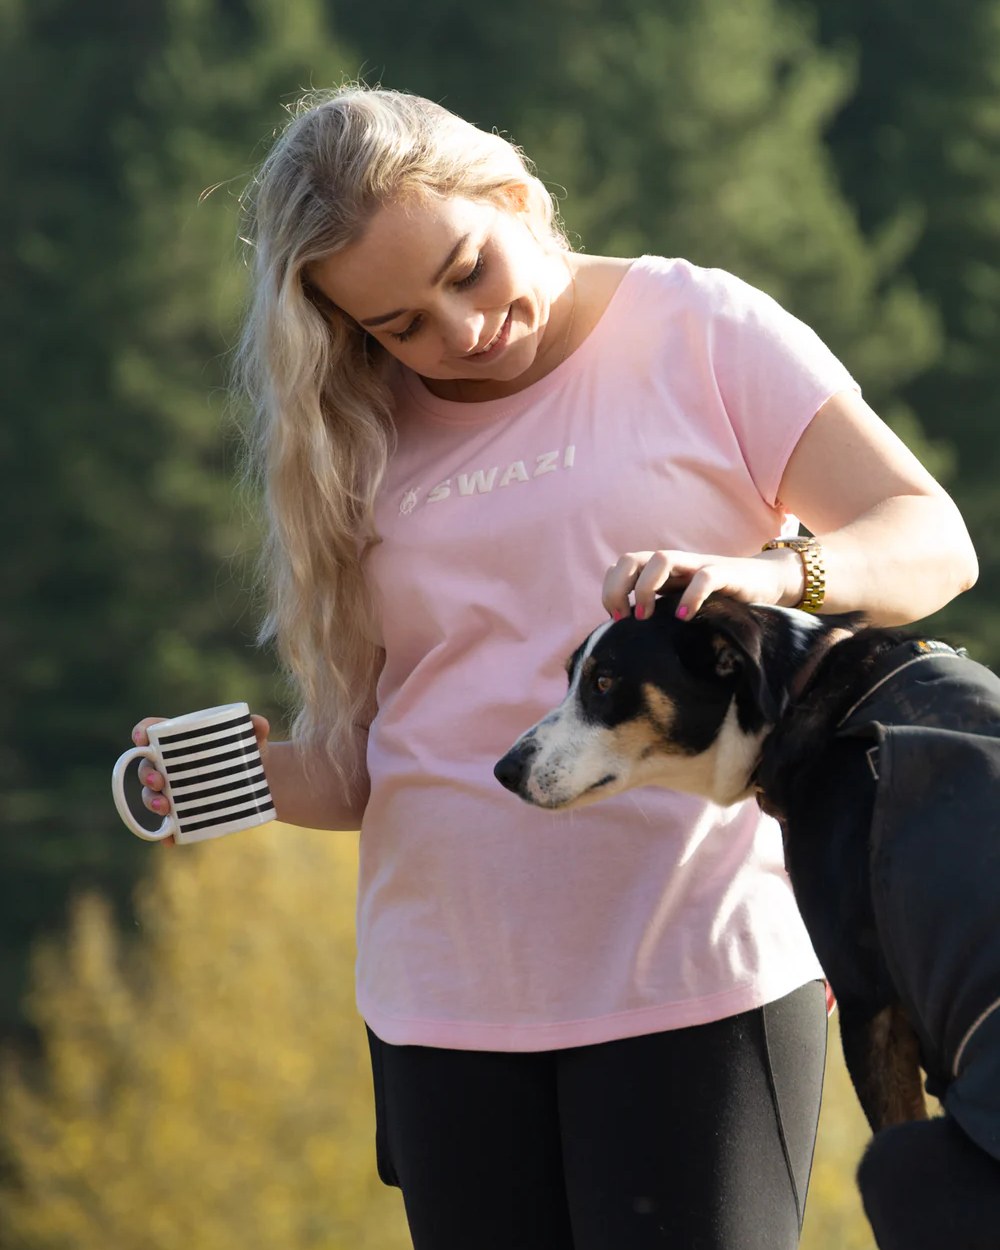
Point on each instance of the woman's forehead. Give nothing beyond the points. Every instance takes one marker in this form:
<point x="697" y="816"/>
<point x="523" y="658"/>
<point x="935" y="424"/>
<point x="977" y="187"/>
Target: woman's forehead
<point x="401" y="253"/>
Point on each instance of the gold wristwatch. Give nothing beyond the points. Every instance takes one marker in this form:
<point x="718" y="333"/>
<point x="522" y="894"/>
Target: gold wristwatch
<point x="811" y="554"/>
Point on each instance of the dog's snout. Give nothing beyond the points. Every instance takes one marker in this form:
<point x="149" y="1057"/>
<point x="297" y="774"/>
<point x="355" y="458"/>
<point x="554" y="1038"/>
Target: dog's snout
<point x="513" y="768"/>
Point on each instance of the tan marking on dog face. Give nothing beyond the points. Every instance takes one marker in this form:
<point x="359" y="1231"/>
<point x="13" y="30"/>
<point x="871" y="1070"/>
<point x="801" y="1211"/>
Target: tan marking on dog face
<point x="648" y="734"/>
<point x="636" y="739"/>
<point x="661" y="709"/>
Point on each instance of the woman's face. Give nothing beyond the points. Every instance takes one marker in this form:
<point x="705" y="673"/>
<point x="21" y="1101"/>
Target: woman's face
<point x="457" y="289"/>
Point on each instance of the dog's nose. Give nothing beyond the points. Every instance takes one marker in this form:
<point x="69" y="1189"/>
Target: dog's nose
<point x="510" y="770"/>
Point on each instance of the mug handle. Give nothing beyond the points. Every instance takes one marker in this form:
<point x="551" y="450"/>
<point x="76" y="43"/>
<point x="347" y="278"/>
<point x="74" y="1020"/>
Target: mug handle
<point x="124" y="811"/>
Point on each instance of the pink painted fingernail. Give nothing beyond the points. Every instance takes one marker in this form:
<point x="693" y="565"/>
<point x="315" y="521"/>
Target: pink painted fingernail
<point x="682" y="611"/>
<point x="616" y="615"/>
<point x="640" y="612"/>
<point x="136" y="736"/>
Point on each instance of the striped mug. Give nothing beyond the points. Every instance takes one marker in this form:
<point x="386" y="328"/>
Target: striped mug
<point x="212" y="772"/>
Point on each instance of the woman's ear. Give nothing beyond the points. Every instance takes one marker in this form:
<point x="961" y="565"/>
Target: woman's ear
<point x="517" y="197"/>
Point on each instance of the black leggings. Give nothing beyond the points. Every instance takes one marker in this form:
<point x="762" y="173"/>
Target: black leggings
<point x="699" y="1138"/>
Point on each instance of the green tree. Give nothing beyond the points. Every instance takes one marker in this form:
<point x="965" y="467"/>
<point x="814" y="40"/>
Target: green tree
<point x="125" y="592"/>
<point x="919" y="139"/>
<point x="207" y="1086"/>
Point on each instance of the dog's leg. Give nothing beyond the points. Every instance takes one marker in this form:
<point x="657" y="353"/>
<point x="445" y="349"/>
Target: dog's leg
<point x="883" y="1058"/>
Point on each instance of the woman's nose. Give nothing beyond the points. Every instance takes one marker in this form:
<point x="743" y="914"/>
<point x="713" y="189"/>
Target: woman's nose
<point x="463" y="332"/>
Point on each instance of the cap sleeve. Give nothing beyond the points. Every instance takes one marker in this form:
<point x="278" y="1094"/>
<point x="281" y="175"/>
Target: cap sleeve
<point x="773" y="373"/>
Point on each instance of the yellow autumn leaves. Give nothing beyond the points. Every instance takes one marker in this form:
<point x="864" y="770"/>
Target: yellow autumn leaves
<point x="209" y="1087"/>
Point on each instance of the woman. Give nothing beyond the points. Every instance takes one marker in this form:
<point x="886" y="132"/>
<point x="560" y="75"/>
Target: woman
<point x="605" y="1029"/>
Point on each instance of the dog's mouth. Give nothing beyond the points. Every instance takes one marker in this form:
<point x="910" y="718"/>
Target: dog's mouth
<point x="604" y="781"/>
<point x="557" y="803"/>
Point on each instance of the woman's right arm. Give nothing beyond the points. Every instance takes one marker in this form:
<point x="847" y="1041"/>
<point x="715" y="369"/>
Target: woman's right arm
<point x="308" y="792"/>
<point x="304" y="786"/>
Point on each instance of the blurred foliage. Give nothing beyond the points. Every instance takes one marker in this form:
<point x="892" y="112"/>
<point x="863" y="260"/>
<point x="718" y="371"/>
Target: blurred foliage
<point x="208" y="1085"/>
<point x="129" y="592"/>
<point x="919" y="140"/>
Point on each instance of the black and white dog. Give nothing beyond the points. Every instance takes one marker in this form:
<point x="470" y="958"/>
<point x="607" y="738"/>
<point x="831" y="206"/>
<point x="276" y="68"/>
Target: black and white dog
<point x="879" y="753"/>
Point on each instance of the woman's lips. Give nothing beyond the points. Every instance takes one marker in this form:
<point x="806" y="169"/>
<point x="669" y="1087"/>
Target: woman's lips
<point x="498" y="344"/>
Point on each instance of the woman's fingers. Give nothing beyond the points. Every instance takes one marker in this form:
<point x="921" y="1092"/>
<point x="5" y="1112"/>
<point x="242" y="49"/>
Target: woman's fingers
<point x="140" y="734"/>
<point x="262" y="728"/>
<point x="151" y="797"/>
<point x="620" y="580"/>
<point x="149" y="778"/>
<point x="644" y="574"/>
<point x="668" y="570"/>
<point x="700" y="585"/>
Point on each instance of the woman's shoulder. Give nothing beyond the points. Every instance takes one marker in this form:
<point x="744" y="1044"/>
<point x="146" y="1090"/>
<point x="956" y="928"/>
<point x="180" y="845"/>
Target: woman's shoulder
<point x="596" y="283"/>
<point x="655" y="300"/>
<point x="669" y="282"/>
<point x="687" y="280"/>
<point x="613" y="289"/>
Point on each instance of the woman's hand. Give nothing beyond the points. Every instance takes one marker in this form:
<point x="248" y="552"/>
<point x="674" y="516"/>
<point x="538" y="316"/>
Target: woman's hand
<point x="770" y="577"/>
<point x="152" y="781"/>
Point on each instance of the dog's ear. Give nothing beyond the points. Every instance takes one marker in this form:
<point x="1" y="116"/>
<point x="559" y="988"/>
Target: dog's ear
<point x="736" y="637"/>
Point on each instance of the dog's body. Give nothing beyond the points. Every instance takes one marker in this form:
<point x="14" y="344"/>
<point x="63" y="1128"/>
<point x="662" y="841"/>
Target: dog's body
<point x="880" y="755"/>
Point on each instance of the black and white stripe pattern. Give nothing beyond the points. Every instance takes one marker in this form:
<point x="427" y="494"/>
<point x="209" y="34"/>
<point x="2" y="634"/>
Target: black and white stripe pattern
<point x="215" y="775"/>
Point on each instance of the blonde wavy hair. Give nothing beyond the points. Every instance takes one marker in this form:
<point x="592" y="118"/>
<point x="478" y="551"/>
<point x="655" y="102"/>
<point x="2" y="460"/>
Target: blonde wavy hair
<point x="322" y="428"/>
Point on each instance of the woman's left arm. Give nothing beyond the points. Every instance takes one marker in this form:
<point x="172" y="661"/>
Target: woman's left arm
<point x="894" y="544"/>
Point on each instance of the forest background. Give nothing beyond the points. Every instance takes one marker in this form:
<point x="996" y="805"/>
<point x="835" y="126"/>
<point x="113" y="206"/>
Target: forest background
<point x="184" y="1066"/>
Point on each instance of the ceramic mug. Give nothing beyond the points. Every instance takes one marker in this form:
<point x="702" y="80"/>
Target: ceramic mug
<point x="212" y="772"/>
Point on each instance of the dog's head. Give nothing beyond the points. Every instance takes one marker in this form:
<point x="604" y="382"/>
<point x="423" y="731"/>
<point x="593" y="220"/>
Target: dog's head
<point x="681" y="704"/>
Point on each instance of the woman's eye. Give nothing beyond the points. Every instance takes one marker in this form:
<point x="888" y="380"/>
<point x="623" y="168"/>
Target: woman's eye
<point x="473" y="276"/>
<point x="409" y="332"/>
<point x="604" y="684"/>
<point x="470" y="279"/>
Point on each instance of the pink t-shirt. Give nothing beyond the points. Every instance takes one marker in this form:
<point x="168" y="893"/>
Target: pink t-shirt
<point x="484" y="923"/>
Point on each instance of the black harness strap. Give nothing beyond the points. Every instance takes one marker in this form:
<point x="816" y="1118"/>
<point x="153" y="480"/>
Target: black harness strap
<point x="894" y="661"/>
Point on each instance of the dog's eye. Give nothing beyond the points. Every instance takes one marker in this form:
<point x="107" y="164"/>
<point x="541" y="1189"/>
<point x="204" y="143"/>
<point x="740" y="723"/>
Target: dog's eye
<point x="604" y="683"/>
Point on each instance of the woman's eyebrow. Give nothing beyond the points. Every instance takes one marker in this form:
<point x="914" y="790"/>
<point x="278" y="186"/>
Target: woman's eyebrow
<point x="439" y="274"/>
